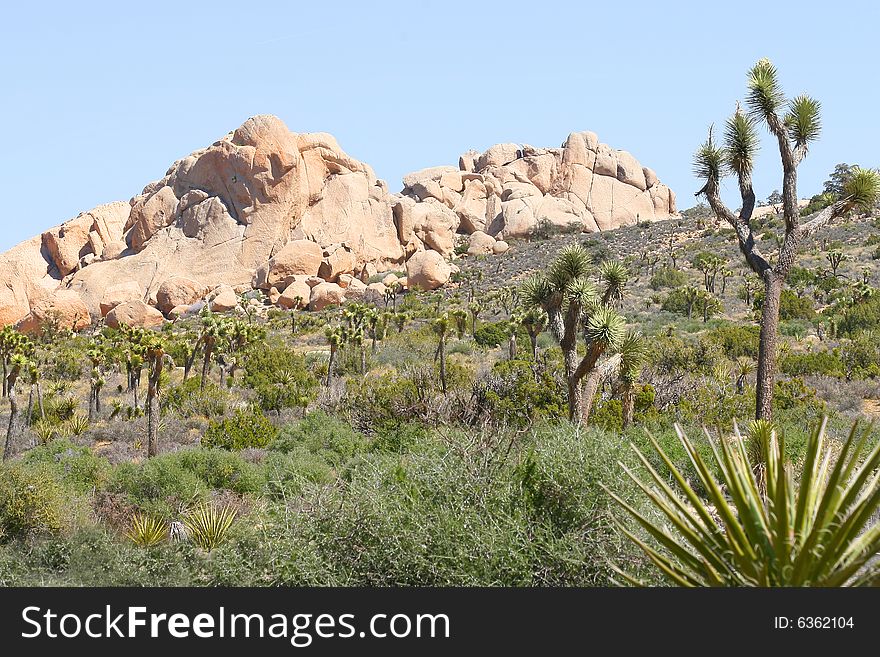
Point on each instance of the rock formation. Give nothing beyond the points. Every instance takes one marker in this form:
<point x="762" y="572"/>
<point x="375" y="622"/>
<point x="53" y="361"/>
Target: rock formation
<point x="295" y="216"/>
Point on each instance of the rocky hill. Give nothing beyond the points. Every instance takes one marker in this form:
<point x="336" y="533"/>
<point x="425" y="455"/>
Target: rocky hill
<point x="294" y="215"/>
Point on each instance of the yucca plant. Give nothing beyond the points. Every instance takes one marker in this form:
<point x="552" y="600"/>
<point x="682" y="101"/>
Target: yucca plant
<point x="818" y="528"/>
<point x="77" y="425"/>
<point x="44" y="429"/>
<point x="207" y="525"/>
<point x="147" y="531"/>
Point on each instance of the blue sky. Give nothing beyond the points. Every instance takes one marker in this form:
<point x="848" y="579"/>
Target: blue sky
<point x="100" y="98"/>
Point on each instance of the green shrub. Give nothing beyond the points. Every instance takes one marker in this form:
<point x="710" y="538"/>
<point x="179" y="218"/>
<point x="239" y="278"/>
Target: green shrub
<point x="736" y="340"/>
<point x="160" y="485"/>
<point x="220" y="469"/>
<point x="247" y="428"/>
<point x="32" y="499"/>
<point x="519" y="392"/>
<point x="491" y="334"/>
<point x="74" y="465"/>
<point x="820" y="362"/>
<point x="791" y="306"/>
<point x="188" y="399"/>
<point x="333" y="440"/>
<point x="280" y="378"/>
<point x="667" y="277"/>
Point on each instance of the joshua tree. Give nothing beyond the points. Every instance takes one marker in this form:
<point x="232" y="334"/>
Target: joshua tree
<point x="335" y="338"/>
<point x="19" y="361"/>
<point x="460" y="317"/>
<point x="708" y="305"/>
<point x="8" y="341"/>
<point x="794" y="131"/>
<point x="835" y="259"/>
<point x="511" y="340"/>
<point x="155" y="355"/>
<point x="97" y="357"/>
<point x="440" y="326"/>
<point x="476" y="308"/>
<point x="725" y="274"/>
<point x="574" y="306"/>
<point x="750" y="285"/>
<point x="213" y="329"/>
<point x="400" y="319"/>
<point x="691" y="296"/>
<point x="534" y="321"/>
<point x="615" y="275"/>
<point x="633" y="353"/>
<point x="33" y="379"/>
<point x="743" y="368"/>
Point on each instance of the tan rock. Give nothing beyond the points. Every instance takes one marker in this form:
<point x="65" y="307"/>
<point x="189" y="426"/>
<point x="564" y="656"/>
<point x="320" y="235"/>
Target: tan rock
<point x="68" y="243"/>
<point x="472" y="208"/>
<point x="27" y="277"/>
<point x="467" y="161"/>
<point x="480" y="244"/>
<point x="431" y="173"/>
<point x="120" y="293"/>
<point x="135" y="314"/>
<point x="178" y="311"/>
<point x="427" y="270"/>
<point x="297" y="257"/>
<point x="64" y="309"/>
<point x="650" y="177"/>
<point x="113" y="250"/>
<point x="435" y="225"/>
<point x="500" y="247"/>
<point x="606" y="161"/>
<point x="497" y="155"/>
<point x="378" y="288"/>
<point x="452" y="180"/>
<point x="629" y="171"/>
<point x="223" y="299"/>
<point x="295" y="296"/>
<point x="326" y="294"/>
<point x="390" y="279"/>
<point x="339" y="260"/>
<point x="274" y="295"/>
<point x="178" y="291"/>
<point x="149" y="215"/>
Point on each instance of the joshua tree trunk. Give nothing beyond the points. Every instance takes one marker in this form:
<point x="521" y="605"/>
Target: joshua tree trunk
<point x="206" y="363"/>
<point x="767" y="345"/>
<point x="442" y="349"/>
<point x="534" y="341"/>
<point x="330" y="364"/>
<point x="14" y="427"/>
<point x="135" y="384"/>
<point x="591" y="384"/>
<point x="5" y="376"/>
<point x="188" y="363"/>
<point x="40" y="401"/>
<point x="511" y="347"/>
<point x="153" y="409"/>
<point x="628" y="400"/>
<point x="363" y="359"/>
<point x="92" y="396"/>
<point x="98" y="400"/>
<point x="30" y="408"/>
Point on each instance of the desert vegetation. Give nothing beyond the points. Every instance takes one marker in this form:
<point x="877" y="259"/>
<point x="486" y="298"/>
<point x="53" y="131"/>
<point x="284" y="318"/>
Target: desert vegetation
<point x="577" y="410"/>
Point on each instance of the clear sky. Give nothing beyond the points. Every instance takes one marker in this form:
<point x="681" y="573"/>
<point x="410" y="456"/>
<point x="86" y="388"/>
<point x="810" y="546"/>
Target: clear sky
<point x="99" y="99"/>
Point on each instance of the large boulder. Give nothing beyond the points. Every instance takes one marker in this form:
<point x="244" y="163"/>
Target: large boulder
<point x="297" y="257"/>
<point x="324" y="295"/>
<point x="177" y="291"/>
<point x="120" y="293"/>
<point x="135" y="314"/>
<point x="480" y="244"/>
<point x="427" y="270"/>
<point x="296" y="295"/>
<point x="62" y="310"/>
<point x="223" y="299"/>
<point x="29" y="276"/>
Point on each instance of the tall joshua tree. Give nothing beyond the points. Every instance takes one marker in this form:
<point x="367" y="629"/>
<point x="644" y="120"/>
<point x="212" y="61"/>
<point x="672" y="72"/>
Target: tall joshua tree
<point x="633" y="354"/>
<point x="574" y="308"/>
<point x="441" y="327"/>
<point x="534" y="321"/>
<point x="794" y="124"/>
<point x="19" y="362"/>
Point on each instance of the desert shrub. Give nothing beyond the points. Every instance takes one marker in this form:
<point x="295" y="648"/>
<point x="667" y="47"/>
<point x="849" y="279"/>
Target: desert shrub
<point x="333" y="440"/>
<point x="794" y="393"/>
<point x="736" y="340"/>
<point x="791" y="306"/>
<point x="860" y="358"/>
<point x="160" y="485"/>
<point x="188" y="399"/>
<point x="519" y="392"/>
<point x="819" y="362"/>
<point x="608" y="415"/>
<point x="288" y="474"/>
<point x="384" y="400"/>
<point x="400" y="437"/>
<point x="491" y="334"/>
<point x="32" y="500"/>
<point x="247" y="428"/>
<point x="220" y="469"/>
<point x="74" y="465"/>
<point x="280" y="377"/>
<point x="667" y="277"/>
<point x="864" y="316"/>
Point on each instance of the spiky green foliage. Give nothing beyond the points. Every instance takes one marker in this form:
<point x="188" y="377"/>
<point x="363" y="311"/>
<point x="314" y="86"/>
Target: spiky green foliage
<point x="760" y="524"/>
<point x="147" y="531"/>
<point x="710" y="160"/>
<point x="208" y="525"/>
<point x="862" y="189"/>
<point x="605" y="327"/>
<point x="536" y="290"/>
<point x="741" y="143"/>
<point x="765" y="95"/>
<point x="571" y="262"/>
<point x="582" y="292"/>
<point x="633" y="349"/>
<point x="803" y="120"/>
<point x="614" y="276"/>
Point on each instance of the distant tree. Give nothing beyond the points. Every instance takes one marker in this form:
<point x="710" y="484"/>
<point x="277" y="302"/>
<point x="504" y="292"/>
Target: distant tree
<point x="335" y="338"/>
<point x="835" y="259"/>
<point x="19" y="362"/>
<point x="574" y="308"/>
<point x="476" y="308"/>
<point x="440" y="326"/>
<point x="794" y="130"/>
<point x="534" y="321"/>
<point x="775" y="199"/>
<point x="837" y="181"/>
<point x="633" y="354"/>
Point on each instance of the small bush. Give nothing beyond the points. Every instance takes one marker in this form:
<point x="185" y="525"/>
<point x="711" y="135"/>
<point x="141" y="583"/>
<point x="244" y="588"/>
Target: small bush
<point x="188" y="399"/>
<point x="333" y="440"/>
<point x="247" y="428"/>
<point x="32" y="499"/>
<point x="667" y="277"/>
